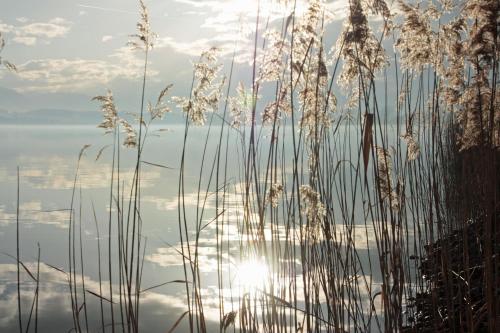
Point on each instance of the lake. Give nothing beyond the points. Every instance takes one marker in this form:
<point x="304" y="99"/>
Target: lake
<point x="47" y="157"/>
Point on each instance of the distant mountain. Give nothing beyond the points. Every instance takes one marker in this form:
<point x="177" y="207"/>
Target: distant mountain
<point x="27" y="101"/>
<point x="50" y="117"/>
<point x="67" y="117"/>
<point x="57" y="109"/>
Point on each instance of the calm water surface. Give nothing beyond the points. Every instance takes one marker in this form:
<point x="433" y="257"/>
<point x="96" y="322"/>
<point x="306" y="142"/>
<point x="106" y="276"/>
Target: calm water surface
<point x="47" y="158"/>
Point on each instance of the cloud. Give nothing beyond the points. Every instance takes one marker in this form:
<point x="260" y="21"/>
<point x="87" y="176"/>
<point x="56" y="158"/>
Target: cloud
<point x="226" y="43"/>
<point x="29" y="41"/>
<point x="206" y="200"/>
<point x="229" y="25"/>
<point x="106" y="9"/>
<point x="58" y="172"/>
<point x="54" y="75"/>
<point x="72" y="75"/>
<point x="207" y="257"/>
<point x="198" y="4"/>
<point x="106" y="38"/>
<point x="6" y="217"/>
<point x="32" y="212"/>
<point x="30" y="33"/>
<point x="236" y="15"/>
<point x="191" y="199"/>
<point x="159" y="311"/>
<point x="6" y="28"/>
<point x="57" y="27"/>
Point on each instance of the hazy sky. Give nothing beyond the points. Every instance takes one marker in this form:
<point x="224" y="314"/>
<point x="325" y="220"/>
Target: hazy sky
<point x="69" y="50"/>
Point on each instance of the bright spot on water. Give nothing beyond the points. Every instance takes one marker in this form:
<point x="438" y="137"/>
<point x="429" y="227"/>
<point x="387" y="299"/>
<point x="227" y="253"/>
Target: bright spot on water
<point x="252" y="275"/>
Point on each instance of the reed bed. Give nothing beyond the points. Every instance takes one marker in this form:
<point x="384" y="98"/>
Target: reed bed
<point x="366" y="185"/>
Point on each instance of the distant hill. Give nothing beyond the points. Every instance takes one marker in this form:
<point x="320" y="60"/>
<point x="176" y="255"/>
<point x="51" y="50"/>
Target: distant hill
<point x="27" y="101"/>
<point x="57" y="109"/>
<point x="67" y="117"/>
<point x="50" y="117"/>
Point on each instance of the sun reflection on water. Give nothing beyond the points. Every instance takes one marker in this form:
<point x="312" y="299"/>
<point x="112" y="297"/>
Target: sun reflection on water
<point x="252" y="275"/>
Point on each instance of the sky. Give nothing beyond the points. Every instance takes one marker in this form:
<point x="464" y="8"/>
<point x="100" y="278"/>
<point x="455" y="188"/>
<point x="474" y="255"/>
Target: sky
<point x="68" y="51"/>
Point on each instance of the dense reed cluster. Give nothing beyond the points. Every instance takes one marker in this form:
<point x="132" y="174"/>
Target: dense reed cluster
<point x="361" y="184"/>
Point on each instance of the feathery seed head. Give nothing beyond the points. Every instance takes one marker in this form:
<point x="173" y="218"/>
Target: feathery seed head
<point x="108" y="108"/>
<point x="144" y="38"/>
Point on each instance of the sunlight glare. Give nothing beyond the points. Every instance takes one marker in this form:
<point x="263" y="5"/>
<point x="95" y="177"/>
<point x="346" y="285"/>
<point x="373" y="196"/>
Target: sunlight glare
<point x="268" y="8"/>
<point x="252" y="275"/>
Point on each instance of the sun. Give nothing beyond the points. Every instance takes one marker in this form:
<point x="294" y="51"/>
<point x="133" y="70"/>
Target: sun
<point x="252" y="275"/>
